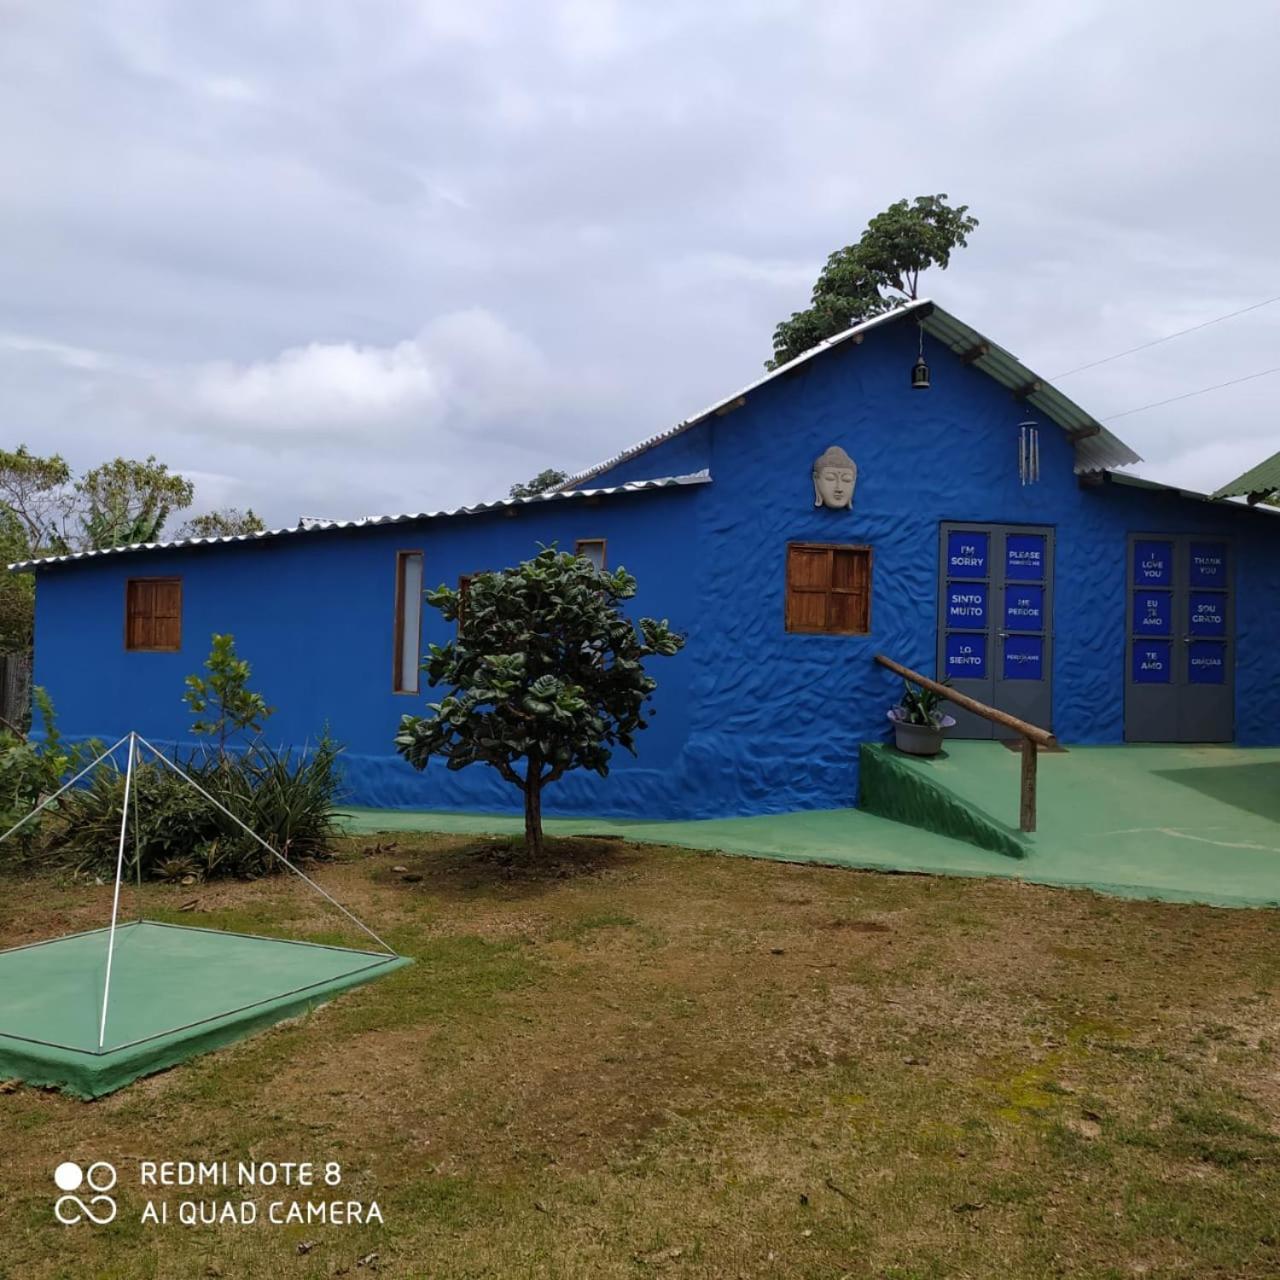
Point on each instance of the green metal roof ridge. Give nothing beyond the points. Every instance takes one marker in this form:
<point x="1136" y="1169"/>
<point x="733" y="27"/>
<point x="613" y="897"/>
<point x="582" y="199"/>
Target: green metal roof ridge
<point x="1262" y="479"/>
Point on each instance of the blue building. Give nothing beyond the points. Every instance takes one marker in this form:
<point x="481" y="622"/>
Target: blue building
<point x="989" y="537"/>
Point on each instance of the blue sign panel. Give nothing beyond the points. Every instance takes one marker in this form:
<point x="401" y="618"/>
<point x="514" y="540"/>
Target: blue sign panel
<point x="1152" y="614"/>
<point x="1024" y="658"/>
<point x="966" y="554"/>
<point x="1207" y="613"/>
<point x="966" y="657"/>
<point x="1152" y="563"/>
<point x="1207" y="662"/>
<point x="1207" y="563"/>
<point x="1024" y="557"/>
<point x="1152" y="661"/>
<point x="967" y="605"/>
<point x="1023" y="608"/>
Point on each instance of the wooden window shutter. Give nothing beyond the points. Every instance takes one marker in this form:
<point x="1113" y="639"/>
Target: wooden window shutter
<point x="828" y="589"/>
<point x="153" y="614"/>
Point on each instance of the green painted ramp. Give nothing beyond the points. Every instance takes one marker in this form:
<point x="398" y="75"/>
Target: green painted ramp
<point x="921" y="792"/>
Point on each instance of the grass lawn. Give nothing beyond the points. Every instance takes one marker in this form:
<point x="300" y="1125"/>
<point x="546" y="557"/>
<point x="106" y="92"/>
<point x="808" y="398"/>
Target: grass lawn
<point x="653" y="1062"/>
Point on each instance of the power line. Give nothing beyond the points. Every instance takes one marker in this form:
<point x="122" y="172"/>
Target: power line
<point x="1186" y="395"/>
<point x="1155" y="342"/>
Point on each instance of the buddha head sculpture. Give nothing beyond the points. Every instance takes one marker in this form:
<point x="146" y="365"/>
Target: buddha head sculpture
<point x="834" y="475"/>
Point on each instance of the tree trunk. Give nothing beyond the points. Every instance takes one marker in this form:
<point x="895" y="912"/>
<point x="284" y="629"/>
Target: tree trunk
<point x="533" y="817"/>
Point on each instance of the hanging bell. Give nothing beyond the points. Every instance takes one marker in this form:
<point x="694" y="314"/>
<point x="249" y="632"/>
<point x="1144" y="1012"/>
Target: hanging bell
<point x="920" y="375"/>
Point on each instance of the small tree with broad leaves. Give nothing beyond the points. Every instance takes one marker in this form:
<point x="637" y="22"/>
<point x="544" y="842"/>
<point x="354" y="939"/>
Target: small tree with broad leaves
<point x="546" y="674"/>
<point x="223" y="703"/>
<point x="879" y="271"/>
<point x="543" y="482"/>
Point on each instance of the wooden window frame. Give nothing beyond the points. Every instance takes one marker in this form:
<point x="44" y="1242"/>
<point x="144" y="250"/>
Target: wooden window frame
<point x="829" y="591"/>
<point x="397" y="622"/>
<point x="129" y="584"/>
<point x="602" y="543"/>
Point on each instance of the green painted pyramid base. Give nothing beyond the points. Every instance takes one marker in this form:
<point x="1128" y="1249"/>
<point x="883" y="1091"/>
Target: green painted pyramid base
<point x="175" y="992"/>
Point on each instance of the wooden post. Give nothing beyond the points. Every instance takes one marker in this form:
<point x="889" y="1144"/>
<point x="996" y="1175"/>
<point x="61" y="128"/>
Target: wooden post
<point x="1027" y="816"/>
<point x="1029" y="733"/>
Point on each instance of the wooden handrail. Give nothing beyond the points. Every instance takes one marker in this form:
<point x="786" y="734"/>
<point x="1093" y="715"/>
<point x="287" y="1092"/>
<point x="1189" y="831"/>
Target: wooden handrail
<point x="1020" y="727"/>
<point x="1030" y="734"/>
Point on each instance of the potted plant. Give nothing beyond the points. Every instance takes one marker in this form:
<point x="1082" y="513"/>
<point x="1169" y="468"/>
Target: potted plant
<point x="918" y="724"/>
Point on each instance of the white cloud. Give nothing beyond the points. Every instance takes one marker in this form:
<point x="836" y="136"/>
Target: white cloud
<point x="223" y="231"/>
<point x="317" y="386"/>
<point x="70" y="357"/>
<point x="465" y="367"/>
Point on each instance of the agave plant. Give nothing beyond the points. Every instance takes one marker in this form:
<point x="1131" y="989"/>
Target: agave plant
<point x="287" y="798"/>
<point x="920" y="705"/>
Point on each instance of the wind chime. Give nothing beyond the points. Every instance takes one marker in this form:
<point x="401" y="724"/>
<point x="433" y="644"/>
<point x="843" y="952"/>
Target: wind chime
<point x="920" y="370"/>
<point x="1028" y="452"/>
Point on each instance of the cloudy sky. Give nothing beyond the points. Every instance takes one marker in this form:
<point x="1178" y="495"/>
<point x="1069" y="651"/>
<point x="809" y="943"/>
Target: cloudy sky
<point x="346" y="256"/>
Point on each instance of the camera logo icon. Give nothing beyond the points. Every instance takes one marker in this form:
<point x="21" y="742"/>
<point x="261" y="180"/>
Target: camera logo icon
<point x="98" y="1178"/>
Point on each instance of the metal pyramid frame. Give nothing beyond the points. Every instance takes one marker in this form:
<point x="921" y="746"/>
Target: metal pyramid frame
<point x="136" y="742"/>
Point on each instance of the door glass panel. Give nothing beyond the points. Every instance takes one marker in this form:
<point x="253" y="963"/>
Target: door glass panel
<point x="1152" y="661"/>
<point x="1024" y="658"/>
<point x="967" y="554"/>
<point x="1207" y="613"/>
<point x="1024" y="557"/>
<point x="1024" y="609"/>
<point x="1152" y="613"/>
<point x="1152" y="563"/>
<point x="1206" y="663"/>
<point x="1207" y="564"/>
<point x="967" y="605"/>
<point x="966" y="657"/>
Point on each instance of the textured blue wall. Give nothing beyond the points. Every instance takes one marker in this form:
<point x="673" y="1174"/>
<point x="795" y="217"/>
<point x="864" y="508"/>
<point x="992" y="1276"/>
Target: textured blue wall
<point x="314" y="616"/>
<point x="751" y="719"/>
<point x="778" y="718"/>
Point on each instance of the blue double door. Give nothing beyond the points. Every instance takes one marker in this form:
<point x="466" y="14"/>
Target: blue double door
<point x="995" y="622"/>
<point x="1180" y="657"/>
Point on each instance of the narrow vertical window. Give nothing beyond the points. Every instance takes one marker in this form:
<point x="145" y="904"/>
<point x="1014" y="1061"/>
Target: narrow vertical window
<point x="408" y="620"/>
<point x="591" y="549"/>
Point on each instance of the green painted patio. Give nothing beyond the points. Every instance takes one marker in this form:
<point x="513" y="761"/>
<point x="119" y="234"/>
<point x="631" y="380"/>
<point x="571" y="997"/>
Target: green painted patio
<point x="1178" y="823"/>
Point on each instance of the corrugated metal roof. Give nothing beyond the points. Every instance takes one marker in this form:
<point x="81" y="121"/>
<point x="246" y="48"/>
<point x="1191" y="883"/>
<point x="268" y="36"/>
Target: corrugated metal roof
<point x="1258" y="482"/>
<point x="1097" y="449"/>
<point x="1141" y="482"/>
<point x="320" y="526"/>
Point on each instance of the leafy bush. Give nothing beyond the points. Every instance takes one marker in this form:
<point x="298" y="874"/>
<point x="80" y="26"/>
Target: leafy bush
<point x="31" y="770"/>
<point x="288" y="799"/>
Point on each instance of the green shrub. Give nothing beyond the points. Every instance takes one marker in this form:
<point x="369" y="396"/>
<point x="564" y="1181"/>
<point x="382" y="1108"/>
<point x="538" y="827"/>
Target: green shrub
<point x="288" y="799"/>
<point x="32" y="770"/>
